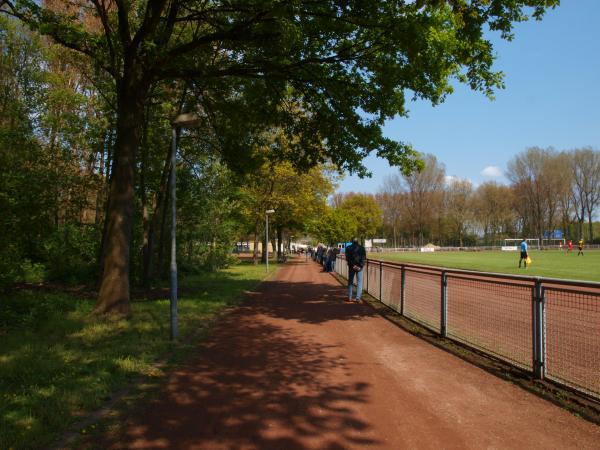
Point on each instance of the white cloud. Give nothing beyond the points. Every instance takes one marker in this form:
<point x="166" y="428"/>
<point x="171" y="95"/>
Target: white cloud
<point x="450" y="179"/>
<point x="492" y="172"/>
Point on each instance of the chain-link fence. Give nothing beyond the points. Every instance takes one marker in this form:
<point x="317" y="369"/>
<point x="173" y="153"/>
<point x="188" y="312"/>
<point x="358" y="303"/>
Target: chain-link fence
<point x="547" y="326"/>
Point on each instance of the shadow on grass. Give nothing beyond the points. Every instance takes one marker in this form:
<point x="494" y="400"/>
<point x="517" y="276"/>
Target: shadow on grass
<point x="57" y="362"/>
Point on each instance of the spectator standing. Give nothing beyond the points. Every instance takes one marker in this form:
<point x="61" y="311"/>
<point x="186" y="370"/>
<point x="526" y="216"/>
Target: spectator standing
<point x="356" y="257"/>
<point x="335" y="253"/>
<point x="328" y="259"/>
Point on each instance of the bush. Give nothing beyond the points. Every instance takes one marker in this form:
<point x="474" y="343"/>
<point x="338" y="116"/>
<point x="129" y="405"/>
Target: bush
<point x="71" y="253"/>
<point x="9" y="267"/>
<point x="208" y="258"/>
<point x="32" y="272"/>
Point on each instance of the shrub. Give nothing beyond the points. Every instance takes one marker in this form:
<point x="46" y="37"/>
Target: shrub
<point x="9" y="267"/>
<point x="208" y="258"/>
<point x="71" y="253"/>
<point x="32" y="272"/>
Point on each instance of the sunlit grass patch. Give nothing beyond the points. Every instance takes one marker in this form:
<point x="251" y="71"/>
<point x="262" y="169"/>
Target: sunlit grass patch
<point x="57" y="362"/>
<point x="546" y="263"/>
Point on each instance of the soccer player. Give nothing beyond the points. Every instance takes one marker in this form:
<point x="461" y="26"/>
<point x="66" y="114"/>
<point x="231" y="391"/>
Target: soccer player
<point x="580" y="247"/>
<point x="524" y="255"/>
<point x="570" y="246"/>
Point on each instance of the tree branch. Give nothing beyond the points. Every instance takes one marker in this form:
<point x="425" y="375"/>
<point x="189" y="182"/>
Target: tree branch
<point x="152" y="17"/>
<point x="101" y="10"/>
<point x="171" y="20"/>
<point x="124" y="29"/>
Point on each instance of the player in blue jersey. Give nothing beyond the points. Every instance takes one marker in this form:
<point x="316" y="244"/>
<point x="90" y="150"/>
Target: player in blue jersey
<point x="524" y="255"/>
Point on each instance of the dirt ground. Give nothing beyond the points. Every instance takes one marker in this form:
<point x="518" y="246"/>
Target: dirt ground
<point x="297" y="367"/>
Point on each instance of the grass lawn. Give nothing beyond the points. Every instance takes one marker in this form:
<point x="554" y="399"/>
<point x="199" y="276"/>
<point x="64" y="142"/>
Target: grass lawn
<point x="546" y="263"/>
<point x="58" y="363"/>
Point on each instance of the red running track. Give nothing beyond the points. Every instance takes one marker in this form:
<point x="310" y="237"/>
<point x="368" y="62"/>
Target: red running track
<point x="296" y="367"/>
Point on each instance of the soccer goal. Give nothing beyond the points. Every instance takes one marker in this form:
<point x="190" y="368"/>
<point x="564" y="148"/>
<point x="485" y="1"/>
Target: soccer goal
<point x="513" y="244"/>
<point x="558" y="243"/>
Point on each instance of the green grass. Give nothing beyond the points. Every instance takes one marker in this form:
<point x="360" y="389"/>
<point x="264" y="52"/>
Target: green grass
<point x="58" y="363"/>
<point x="546" y="263"/>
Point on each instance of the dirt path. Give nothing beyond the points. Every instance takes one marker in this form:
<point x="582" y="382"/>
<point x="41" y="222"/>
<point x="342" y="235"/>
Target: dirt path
<point x="298" y="368"/>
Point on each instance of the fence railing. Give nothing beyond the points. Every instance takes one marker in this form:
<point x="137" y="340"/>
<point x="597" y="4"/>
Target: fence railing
<point x="550" y="327"/>
<point x="478" y="248"/>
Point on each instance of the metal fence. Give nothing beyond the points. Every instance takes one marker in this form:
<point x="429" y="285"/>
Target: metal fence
<point x="549" y="327"/>
<point x="477" y="248"/>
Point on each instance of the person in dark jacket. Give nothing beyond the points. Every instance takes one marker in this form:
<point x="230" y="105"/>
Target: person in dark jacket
<point x="356" y="257"/>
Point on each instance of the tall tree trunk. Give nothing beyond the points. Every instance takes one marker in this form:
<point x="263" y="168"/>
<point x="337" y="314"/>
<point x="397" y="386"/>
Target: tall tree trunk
<point x="159" y="208"/>
<point x="101" y="185"/>
<point x="591" y="227"/>
<point x="163" y="239"/>
<point x="109" y="170"/>
<point x="255" y="250"/>
<point x="114" y="289"/>
<point x="580" y="221"/>
<point x="144" y="198"/>
<point x="279" y="242"/>
<point x="265" y="244"/>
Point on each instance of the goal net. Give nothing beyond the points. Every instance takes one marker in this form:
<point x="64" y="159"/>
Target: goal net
<point x="554" y="243"/>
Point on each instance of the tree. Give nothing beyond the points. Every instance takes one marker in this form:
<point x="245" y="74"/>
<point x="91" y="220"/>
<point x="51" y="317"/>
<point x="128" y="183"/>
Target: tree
<point x="331" y="57"/>
<point x="390" y="201"/>
<point x="564" y="181"/>
<point x="297" y="198"/>
<point x="585" y="168"/>
<point x="535" y="175"/>
<point x="367" y="213"/>
<point x="333" y="226"/>
<point x="458" y="205"/>
<point x="494" y="212"/>
<point x="51" y="123"/>
<point x="423" y="189"/>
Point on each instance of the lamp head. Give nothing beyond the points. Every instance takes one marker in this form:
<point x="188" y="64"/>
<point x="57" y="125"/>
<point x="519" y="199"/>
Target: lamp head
<point x="187" y="120"/>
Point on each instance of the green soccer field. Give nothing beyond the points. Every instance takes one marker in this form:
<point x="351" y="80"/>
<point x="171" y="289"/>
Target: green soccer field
<point x="546" y="263"/>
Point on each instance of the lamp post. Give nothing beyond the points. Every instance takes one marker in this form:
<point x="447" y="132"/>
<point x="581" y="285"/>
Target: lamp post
<point x="181" y="121"/>
<point x="267" y="212"/>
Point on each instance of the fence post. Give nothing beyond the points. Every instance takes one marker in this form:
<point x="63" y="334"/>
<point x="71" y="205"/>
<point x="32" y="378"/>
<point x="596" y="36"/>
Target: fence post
<point x="380" y="279"/>
<point x="402" y="288"/>
<point x="539" y="335"/>
<point x="444" y="304"/>
<point x="367" y="274"/>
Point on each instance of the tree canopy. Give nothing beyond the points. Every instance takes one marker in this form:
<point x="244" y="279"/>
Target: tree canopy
<point x="327" y="72"/>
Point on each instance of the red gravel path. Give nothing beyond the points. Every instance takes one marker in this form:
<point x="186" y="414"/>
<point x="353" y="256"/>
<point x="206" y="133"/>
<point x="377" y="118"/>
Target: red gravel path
<point x="298" y="368"/>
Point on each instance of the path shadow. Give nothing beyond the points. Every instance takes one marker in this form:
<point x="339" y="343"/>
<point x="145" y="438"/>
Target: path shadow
<point x="308" y="302"/>
<point x="255" y="385"/>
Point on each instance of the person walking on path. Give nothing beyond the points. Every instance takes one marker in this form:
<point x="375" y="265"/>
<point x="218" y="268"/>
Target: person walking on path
<point x="524" y="254"/>
<point x="356" y="256"/>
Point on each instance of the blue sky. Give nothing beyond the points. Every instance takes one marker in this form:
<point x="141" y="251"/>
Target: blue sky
<point x="552" y="98"/>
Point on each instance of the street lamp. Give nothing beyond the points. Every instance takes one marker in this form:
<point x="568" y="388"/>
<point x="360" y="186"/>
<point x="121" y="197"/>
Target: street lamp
<point x="267" y="212"/>
<point x="181" y="121"/>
